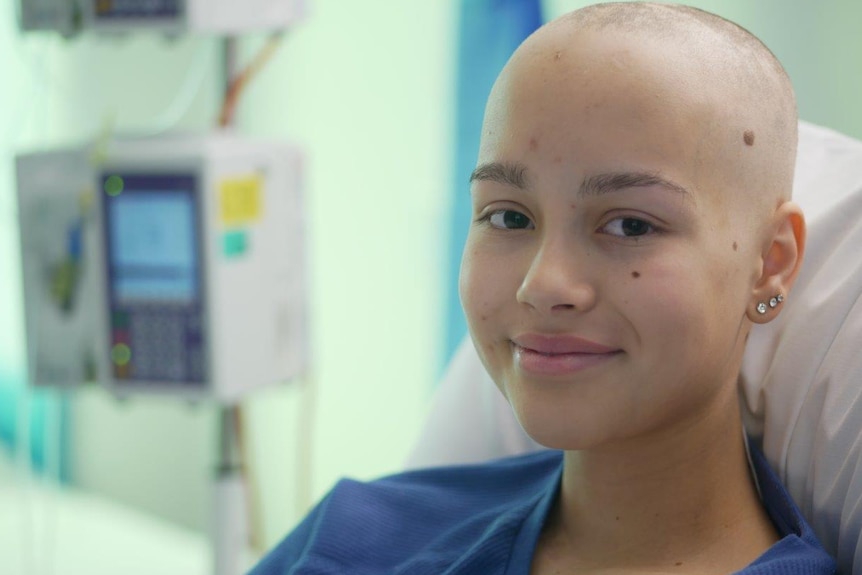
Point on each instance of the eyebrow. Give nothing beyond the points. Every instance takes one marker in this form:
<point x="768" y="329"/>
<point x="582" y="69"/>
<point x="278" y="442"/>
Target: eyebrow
<point x="510" y="174"/>
<point x="612" y="182"/>
<point x="515" y="175"/>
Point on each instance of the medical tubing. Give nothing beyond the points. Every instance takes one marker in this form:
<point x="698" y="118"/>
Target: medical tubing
<point x="167" y="120"/>
<point x="237" y="84"/>
<point x="182" y="102"/>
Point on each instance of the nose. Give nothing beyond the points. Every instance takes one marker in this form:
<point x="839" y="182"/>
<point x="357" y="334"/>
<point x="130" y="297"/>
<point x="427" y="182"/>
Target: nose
<point x="558" y="280"/>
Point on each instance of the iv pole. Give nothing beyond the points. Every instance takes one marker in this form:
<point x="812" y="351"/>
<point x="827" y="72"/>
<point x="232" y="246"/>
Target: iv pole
<point x="230" y="529"/>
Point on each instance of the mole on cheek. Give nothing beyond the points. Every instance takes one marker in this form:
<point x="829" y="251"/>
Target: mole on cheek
<point x="735" y="247"/>
<point x="557" y="55"/>
<point x="534" y="145"/>
<point x="636" y="275"/>
<point x="748" y="137"/>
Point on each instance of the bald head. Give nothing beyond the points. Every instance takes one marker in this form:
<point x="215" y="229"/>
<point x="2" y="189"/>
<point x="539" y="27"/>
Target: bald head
<point x="700" y="73"/>
<point x="756" y="78"/>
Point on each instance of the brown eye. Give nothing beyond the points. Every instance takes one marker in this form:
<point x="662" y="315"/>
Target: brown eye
<point x="634" y="227"/>
<point x="510" y="220"/>
<point x="628" y="227"/>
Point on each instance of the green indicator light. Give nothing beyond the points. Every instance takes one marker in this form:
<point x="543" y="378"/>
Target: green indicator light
<point x="121" y="354"/>
<point x="114" y="185"/>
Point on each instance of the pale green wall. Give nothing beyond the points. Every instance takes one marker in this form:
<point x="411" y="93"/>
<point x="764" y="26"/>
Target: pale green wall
<point x="365" y="88"/>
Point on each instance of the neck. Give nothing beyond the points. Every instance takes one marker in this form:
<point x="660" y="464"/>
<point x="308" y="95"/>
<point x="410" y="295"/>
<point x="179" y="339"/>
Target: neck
<point x="681" y="496"/>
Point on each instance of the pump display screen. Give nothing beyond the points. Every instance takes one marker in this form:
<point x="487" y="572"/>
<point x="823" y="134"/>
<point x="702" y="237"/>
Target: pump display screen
<point x="152" y="235"/>
<point x="154" y="273"/>
<point x="137" y="9"/>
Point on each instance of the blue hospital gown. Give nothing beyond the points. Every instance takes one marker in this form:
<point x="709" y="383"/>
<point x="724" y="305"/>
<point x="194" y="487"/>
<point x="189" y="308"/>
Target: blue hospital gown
<point x="481" y="519"/>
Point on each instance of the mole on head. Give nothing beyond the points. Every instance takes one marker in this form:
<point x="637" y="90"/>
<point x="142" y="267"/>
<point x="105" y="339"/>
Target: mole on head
<point x="748" y="137"/>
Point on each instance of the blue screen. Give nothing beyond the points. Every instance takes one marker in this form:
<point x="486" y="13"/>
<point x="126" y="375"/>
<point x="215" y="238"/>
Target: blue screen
<point x="152" y="235"/>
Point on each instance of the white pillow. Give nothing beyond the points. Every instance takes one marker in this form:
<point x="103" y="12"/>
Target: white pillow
<point x="802" y="375"/>
<point x="801" y="382"/>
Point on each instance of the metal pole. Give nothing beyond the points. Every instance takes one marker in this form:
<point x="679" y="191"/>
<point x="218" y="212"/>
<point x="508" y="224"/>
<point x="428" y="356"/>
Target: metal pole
<point x="230" y="529"/>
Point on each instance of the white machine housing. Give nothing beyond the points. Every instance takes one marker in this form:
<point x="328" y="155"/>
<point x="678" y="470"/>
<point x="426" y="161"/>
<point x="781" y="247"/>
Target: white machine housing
<point x="197" y="261"/>
<point x="168" y="16"/>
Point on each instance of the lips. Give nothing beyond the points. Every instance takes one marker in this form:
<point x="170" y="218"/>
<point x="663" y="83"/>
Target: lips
<point x="554" y="355"/>
<point x="560" y="344"/>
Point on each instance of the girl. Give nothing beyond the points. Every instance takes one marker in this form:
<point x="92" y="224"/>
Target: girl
<point x="632" y="223"/>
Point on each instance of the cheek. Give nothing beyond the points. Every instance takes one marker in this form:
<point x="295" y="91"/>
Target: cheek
<point x="693" y="305"/>
<point x="466" y="283"/>
<point x="484" y="300"/>
<point x="488" y="286"/>
<point x="478" y="287"/>
<point x="667" y="301"/>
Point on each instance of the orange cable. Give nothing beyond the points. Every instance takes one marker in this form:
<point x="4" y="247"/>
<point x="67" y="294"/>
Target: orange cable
<point x="238" y="84"/>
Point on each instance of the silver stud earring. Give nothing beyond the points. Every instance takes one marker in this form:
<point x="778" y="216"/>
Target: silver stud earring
<point x="773" y="303"/>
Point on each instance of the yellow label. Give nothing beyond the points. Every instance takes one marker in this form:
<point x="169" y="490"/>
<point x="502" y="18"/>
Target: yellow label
<point x="240" y="200"/>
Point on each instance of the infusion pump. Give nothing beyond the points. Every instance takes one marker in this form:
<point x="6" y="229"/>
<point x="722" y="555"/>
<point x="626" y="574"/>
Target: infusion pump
<point x="169" y="16"/>
<point x="168" y="265"/>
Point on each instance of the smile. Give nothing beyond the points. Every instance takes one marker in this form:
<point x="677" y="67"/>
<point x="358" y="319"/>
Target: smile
<point x="558" y="355"/>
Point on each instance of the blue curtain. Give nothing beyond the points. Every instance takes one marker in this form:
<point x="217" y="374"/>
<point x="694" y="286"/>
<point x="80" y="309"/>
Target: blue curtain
<point x="490" y="30"/>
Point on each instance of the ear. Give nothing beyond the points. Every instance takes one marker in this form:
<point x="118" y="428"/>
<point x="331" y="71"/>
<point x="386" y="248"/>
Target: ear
<point x="781" y="259"/>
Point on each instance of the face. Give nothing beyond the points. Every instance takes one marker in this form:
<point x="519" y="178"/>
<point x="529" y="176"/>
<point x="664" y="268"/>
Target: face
<point x="608" y="267"/>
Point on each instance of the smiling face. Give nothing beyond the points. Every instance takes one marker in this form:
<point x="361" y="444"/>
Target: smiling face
<point x="611" y="262"/>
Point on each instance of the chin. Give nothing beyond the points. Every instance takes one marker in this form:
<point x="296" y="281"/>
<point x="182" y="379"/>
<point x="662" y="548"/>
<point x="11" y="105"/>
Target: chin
<point x="565" y="434"/>
<point x="563" y="416"/>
